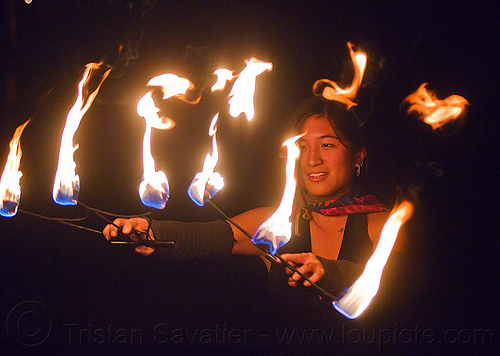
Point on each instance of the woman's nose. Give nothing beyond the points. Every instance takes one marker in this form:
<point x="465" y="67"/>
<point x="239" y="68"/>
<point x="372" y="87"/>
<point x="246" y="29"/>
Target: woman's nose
<point x="314" y="157"/>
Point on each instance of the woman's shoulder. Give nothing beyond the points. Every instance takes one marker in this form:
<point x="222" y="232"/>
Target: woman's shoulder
<point x="376" y="221"/>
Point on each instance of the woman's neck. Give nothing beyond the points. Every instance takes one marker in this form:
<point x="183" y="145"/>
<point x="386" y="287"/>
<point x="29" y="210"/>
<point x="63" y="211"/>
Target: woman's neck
<point x="312" y="199"/>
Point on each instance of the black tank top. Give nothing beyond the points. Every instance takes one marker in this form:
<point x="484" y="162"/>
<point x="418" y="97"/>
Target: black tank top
<point x="356" y="244"/>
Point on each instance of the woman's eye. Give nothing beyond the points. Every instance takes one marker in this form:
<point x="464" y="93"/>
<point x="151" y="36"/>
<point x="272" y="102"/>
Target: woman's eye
<point x="327" y="145"/>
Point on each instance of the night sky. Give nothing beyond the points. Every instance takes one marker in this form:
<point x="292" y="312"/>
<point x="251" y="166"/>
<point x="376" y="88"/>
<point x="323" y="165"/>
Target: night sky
<point x="75" y="278"/>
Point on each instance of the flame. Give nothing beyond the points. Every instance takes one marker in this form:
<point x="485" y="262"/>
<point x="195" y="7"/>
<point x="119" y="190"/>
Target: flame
<point x="434" y="112"/>
<point x="171" y="84"/>
<point x="207" y="183"/>
<point x="147" y="108"/>
<point x="332" y="91"/>
<point x="223" y="76"/>
<point x="10" y="189"/>
<point x="154" y="189"/>
<point x="277" y="230"/>
<point x="360" y="294"/>
<point x="66" y="183"/>
<point x="243" y="89"/>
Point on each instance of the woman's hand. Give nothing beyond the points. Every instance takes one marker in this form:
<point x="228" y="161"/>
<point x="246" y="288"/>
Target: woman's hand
<point x="130" y="227"/>
<point x="306" y="263"/>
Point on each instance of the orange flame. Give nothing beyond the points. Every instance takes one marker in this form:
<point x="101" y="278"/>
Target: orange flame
<point x="332" y="91"/>
<point x="10" y="189"/>
<point x="277" y="230"/>
<point x="171" y="84"/>
<point x="223" y="76"/>
<point x="434" y="112"/>
<point x="207" y="183"/>
<point x="243" y="89"/>
<point x="66" y="183"/>
<point x="360" y="294"/>
<point x="154" y="189"/>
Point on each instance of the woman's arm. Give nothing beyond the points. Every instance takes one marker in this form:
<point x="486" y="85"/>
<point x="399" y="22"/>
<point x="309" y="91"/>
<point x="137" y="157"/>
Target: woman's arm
<point x="332" y="275"/>
<point x="196" y="239"/>
<point x="250" y="221"/>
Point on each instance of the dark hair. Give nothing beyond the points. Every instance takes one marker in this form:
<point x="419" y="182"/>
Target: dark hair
<point x="344" y="121"/>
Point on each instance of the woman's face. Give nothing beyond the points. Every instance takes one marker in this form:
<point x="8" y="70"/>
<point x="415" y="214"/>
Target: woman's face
<point x="327" y="167"/>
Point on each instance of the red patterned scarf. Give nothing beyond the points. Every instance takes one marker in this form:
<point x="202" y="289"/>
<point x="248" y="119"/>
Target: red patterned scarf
<point x="351" y="203"/>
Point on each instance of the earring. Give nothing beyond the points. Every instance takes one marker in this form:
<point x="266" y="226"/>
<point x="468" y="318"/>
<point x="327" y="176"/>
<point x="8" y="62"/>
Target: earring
<point x="358" y="170"/>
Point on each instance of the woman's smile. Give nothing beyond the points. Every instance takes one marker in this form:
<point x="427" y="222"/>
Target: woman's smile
<point x="317" y="177"/>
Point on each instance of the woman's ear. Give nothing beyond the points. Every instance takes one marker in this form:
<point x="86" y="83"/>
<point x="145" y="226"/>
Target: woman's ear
<point x="360" y="156"/>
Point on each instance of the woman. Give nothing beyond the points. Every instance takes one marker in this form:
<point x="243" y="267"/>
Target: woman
<point x="335" y="227"/>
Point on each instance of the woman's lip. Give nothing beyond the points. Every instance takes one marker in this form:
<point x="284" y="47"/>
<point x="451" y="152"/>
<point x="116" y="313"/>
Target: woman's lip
<point x="317" y="176"/>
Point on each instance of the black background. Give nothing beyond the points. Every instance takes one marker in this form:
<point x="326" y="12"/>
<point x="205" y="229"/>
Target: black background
<point x="80" y="279"/>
